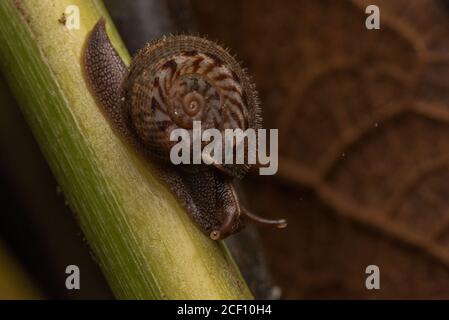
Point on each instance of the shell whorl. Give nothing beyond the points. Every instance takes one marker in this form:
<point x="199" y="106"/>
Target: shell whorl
<point x="179" y="79"/>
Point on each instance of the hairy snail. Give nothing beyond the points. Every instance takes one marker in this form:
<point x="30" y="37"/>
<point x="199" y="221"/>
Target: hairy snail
<point x="169" y="84"/>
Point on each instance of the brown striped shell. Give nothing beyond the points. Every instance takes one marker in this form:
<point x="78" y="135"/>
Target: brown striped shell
<point x="179" y="79"/>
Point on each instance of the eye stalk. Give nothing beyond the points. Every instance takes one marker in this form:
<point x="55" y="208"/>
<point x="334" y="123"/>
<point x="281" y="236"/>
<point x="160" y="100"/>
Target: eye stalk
<point x="280" y="224"/>
<point x="235" y="221"/>
<point x="227" y="229"/>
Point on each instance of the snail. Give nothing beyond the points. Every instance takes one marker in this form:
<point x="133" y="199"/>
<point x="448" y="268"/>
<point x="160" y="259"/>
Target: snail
<point x="170" y="83"/>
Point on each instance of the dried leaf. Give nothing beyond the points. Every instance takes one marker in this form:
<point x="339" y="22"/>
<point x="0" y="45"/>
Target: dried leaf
<point x="364" y="140"/>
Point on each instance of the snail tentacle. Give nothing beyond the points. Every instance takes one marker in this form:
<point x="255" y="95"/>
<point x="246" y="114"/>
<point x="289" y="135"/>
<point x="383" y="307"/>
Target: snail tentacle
<point x="280" y="223"/>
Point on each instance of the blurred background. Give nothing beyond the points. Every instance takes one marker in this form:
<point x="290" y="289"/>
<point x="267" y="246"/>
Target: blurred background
<point x="363" y="119"/>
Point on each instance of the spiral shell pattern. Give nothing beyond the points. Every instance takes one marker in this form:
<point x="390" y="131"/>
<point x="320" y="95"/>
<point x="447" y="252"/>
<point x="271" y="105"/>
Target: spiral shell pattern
<point x="179" y="79"/>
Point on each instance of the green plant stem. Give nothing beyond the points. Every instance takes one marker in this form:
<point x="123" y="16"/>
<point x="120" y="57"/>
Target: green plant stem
<point x="143" y="240"/>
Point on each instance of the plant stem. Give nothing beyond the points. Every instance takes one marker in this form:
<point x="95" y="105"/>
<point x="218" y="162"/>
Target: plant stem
<point x="143" y="240"/>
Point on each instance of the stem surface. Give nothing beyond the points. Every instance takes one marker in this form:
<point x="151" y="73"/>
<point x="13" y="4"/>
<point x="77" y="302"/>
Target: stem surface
<point x="145" y="243"/>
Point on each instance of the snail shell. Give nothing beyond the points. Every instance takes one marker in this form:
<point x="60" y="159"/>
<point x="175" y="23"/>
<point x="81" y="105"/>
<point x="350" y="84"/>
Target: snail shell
<point x="180" y="79"/>
<point x="171" y="83"/>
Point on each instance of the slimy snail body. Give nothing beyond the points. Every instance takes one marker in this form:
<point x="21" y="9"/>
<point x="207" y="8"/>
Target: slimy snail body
<point x="171" y="83"/>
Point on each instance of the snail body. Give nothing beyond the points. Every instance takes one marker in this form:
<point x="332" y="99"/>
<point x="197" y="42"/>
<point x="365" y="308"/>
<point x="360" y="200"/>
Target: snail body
<point x="171" y="83"/>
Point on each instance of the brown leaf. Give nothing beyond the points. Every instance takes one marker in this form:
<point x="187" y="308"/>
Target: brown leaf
<point x="364" y="140"/>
